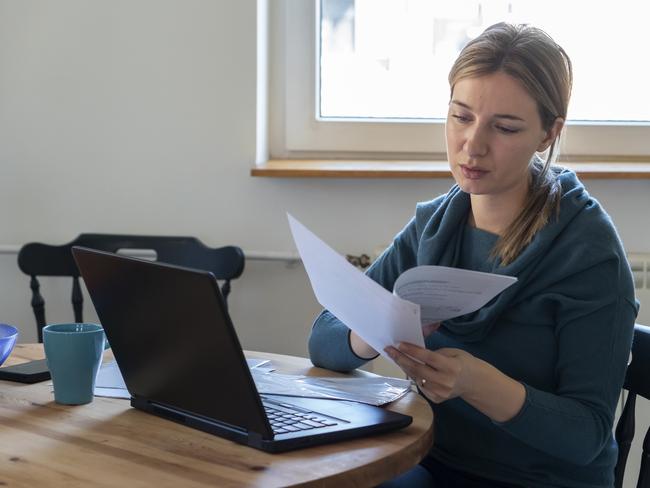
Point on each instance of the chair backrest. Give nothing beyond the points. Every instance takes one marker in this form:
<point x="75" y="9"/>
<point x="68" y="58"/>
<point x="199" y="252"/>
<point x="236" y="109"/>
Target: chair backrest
<point x="637" y="382"/>
<point x="36" y="259"/>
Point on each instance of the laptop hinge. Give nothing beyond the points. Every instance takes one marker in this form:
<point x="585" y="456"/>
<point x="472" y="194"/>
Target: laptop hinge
<point x="184" y="417"/>
<point x="255" y="439"/>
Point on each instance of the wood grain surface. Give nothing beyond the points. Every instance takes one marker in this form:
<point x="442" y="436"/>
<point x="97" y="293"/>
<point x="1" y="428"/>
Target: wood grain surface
<point x="107" y="443"/>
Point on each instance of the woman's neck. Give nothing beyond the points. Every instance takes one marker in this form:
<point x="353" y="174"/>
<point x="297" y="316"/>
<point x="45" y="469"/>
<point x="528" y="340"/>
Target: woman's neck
<point x="495" y="213"/>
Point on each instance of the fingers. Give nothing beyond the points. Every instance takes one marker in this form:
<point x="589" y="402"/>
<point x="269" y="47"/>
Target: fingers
<point x="403" y="361"/>
<point x="430" y="358"/>
<point x="440" y="374"/>
<point x="447" y="352"/>
<point x="424" y="376"/>
<point x="414" y="363"/>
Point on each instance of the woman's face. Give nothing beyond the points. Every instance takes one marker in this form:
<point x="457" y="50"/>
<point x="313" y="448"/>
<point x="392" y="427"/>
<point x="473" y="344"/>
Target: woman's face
<point x="493" y="129"/>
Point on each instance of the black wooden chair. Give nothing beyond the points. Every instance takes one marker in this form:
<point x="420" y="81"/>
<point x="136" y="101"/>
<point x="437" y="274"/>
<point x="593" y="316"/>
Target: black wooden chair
<point x="36" y="259"/>
<point x="637" y="382"/>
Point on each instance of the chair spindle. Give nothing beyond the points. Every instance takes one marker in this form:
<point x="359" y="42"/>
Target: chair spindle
<point x="77" y="300"/>
<point x="38" y="304"/>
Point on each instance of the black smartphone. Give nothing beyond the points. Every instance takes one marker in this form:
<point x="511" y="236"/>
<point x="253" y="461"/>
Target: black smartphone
<point x="29" y="372"/>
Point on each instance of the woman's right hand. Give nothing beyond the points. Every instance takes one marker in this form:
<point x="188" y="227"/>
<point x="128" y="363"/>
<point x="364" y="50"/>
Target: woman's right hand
<point x="429" y="329"/>
<point x="363" y="350"/>
<point x="361" y="347"/>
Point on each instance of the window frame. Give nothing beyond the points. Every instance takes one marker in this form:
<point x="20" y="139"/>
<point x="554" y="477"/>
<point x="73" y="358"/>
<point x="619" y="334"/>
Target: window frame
<point x="297" y="132"/>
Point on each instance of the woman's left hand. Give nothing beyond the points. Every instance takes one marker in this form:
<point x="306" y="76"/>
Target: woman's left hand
<point x="443" y="374"/>
<point x="449" y="373"/>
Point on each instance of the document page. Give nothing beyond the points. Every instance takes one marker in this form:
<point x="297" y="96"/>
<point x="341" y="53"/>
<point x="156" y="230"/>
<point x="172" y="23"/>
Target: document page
<point x="378" y="316"/>
<point x="110" y="382"/>
<point x="444" y="293"/>
<point x="373" y="390"/>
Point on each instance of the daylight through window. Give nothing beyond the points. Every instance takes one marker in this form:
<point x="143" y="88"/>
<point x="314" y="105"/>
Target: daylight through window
<point x="389" y="59"/>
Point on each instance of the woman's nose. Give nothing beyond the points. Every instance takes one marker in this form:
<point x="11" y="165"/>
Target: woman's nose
<point x="476" y="144"/>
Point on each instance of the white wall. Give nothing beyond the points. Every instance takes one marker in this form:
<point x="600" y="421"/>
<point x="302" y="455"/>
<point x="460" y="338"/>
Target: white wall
<point x="139" y="116"/>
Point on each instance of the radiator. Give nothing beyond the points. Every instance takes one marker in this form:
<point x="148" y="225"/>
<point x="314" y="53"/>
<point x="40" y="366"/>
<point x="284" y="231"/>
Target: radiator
<point x="640" y="264"/>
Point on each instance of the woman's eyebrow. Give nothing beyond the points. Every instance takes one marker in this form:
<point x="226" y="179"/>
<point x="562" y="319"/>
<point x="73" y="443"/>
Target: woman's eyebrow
<point x="498" y="116"/>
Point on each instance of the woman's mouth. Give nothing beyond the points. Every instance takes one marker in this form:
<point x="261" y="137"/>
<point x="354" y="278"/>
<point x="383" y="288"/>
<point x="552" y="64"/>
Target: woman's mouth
<point x="473" y="173"/>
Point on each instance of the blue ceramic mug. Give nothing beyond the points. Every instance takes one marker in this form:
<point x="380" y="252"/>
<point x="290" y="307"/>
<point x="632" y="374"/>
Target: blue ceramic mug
<point x="74" y="354"/>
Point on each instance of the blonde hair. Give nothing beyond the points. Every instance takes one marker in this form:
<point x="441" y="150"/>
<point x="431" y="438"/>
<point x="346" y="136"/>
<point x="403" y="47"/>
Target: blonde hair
<point x="543" y="68"/>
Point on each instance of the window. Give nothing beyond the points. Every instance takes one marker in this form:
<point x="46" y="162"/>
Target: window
<point x="370" y="76"/>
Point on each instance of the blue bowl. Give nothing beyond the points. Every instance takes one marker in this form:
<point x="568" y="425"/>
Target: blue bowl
<point x="8" y="336"/>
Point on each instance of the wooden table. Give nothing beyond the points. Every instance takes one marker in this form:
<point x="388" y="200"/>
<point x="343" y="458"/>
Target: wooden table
<point x="108" y="443"/>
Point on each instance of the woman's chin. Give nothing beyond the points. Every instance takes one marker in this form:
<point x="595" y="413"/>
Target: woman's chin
<point x="472" y="187"/>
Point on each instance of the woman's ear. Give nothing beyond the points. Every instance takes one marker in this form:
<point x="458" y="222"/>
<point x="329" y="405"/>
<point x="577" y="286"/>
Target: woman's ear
<point x="551" y="134"/>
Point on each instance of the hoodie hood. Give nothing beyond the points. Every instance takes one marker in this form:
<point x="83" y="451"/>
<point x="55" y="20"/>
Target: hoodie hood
<point x="580" y="237"/>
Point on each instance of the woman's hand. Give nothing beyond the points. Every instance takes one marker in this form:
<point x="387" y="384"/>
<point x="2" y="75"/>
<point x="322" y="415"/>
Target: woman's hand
<point x="449" y="373"/>
<point x="441" y="375"/>
<point x="365" y="351"/>
<point x="429" y="329"/>
<point x="361" y="348"/>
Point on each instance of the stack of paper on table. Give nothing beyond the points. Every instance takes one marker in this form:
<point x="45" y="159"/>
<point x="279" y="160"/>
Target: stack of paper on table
<point x="371" y="389"/>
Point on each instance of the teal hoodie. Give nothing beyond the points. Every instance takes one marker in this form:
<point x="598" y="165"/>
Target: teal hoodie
<point x="564" y="330"/>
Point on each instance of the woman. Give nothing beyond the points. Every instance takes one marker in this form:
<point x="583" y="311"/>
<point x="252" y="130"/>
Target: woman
<point x="524" y="390"/>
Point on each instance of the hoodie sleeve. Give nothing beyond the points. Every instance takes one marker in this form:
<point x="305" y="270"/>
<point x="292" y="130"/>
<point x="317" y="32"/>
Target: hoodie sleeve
<point x="595" y="315"/>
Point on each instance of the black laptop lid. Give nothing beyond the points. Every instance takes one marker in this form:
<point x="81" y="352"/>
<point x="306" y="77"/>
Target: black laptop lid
<point x="172" y="337"/>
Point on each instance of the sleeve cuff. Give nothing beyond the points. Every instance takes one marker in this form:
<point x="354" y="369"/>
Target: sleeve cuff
<point x="519" y="415"/>
<point x="354" y="353"/>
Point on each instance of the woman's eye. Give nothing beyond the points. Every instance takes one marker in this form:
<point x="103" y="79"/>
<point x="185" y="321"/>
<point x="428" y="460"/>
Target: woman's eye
<point x="461" y="118"/>
<point x="506" y="130"/>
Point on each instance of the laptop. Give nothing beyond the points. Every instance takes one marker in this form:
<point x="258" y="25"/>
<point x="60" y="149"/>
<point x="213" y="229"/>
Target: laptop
<point x="180" y="357"/>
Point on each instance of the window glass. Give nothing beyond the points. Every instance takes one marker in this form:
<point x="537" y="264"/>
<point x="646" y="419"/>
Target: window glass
<point x="389" y="59"/>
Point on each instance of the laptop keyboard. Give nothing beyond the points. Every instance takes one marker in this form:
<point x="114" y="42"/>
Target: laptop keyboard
<point x="285" y="418"/>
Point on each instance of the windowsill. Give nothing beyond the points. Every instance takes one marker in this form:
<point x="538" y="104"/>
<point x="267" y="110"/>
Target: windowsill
<point x="621" y="168"/>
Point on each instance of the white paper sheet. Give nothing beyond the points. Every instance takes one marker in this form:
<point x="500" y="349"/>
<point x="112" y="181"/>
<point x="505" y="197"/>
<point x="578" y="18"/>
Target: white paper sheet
<point x="373" y="390"/>
<point x="444" y="293"/>
<point x="379" y="317"/>
<point x="110" y="383"/>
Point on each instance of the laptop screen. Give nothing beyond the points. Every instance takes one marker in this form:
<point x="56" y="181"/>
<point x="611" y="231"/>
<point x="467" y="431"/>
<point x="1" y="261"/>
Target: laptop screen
<point x="172" y="337"/>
